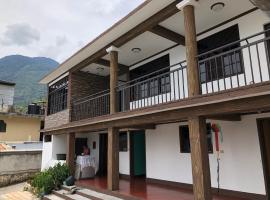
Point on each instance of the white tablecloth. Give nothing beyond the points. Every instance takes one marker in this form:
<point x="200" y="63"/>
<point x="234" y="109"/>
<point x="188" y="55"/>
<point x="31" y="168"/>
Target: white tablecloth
<point x="86" y="161"/>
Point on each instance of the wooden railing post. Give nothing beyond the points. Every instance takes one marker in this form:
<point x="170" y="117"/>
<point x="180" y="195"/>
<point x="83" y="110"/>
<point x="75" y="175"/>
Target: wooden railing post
<point x="71" y="152"/>
<point x="197" y="125"/>
<point x="113" y="134"/>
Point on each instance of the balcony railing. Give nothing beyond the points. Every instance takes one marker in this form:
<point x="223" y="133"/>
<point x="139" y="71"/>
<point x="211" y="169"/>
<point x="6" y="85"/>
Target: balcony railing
<point x="241" y="63"/>
<point x="162" y="86"/>
<point x="91" y="106"/>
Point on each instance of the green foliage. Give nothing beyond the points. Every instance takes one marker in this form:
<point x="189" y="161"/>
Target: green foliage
<point x="59" y="173"/>
<point x="44" y="182"/>
<point x="26" y="73"/>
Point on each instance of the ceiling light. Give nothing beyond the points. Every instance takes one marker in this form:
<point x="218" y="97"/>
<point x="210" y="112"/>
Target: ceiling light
<point x="136" y="50"/>
<point x="217" y="7"/>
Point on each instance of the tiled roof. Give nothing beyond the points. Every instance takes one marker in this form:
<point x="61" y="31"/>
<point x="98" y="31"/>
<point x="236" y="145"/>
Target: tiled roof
<point x="5" y="147"/>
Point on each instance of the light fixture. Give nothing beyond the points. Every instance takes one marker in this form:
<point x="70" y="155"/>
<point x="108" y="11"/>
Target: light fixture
<point x="217" y="7"/>
<point x="100" y="69"/>
<point x="136" y="50"/>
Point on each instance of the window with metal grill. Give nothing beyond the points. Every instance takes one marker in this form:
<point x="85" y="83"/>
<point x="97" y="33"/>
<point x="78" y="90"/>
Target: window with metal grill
<point x="57" y="96"/>
<point x="219" y="64"/>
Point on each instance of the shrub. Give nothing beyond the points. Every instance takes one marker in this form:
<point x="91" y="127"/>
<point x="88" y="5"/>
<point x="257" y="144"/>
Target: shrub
<point x="44" y="182"/>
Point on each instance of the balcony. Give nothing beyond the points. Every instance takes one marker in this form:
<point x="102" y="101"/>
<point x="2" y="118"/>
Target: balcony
<point x="238" y="64"/>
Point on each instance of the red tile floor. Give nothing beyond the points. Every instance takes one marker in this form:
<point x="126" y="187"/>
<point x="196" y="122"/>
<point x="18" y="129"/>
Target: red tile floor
<point x="140" y="189"/>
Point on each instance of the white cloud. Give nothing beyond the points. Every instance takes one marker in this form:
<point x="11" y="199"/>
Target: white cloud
<point x="20" y="34"/>
<point x="56" y="28"/>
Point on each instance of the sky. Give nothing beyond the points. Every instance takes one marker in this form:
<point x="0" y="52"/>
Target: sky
<point x="56" y="28"/>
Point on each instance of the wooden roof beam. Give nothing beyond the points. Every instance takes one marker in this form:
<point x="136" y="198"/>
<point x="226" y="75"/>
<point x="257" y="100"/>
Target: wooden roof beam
<point x="168" y="34"/>
<point x="264" y="5"/>
<point x="123" y="69"/>
<point x="146" y="25"/>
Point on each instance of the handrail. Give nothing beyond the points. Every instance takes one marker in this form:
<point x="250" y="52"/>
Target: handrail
<point x="92" y="96"/>
<point x="236" y="49"/>
<point x="233" y="43"/>
<point x="157" y="71"/>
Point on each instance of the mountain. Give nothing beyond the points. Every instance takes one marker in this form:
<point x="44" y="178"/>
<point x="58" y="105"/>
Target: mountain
<point x="26" y="73"/>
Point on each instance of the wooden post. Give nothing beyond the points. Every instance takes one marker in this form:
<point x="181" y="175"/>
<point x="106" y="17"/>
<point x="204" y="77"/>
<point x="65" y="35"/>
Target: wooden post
<point x="200" y="159"/>
<point x="113" y="135"/>
<point x="113" y="78"/>
<point x="191" y="51"/>
<point x="197" y="125"/>
<point x="71" y="152"/>
<point x="113" y="159"/>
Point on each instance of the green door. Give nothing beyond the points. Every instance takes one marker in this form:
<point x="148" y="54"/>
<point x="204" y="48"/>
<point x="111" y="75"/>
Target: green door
<point x="139" y="158"/>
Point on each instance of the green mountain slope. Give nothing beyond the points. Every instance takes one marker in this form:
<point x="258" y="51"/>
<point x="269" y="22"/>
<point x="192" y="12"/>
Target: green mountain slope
<point x="26" y="73"/>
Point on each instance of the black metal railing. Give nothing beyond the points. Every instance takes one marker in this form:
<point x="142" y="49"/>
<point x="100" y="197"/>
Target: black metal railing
<point x="241" y="63"/>
<point x="162" y="86"/>
<point x="91" y="106"/>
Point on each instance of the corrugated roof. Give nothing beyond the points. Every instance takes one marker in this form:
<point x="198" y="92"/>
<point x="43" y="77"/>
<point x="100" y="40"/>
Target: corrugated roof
<point x="7" y="83"/>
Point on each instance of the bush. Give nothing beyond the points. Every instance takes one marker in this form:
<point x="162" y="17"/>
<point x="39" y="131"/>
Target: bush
<point x="44" y="182"/>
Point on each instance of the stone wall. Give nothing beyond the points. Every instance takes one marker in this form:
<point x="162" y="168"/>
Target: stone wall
<point x="18" y="166"/>
<point x="84" y="84"/>
<point x="57" y="119"/>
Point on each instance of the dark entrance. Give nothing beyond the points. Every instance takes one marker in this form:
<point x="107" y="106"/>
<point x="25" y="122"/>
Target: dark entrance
<point x="103" y="146"/>
<point x="79" y="143"/>
<point x="137" y="153"/>
<point x="264" y="137"/>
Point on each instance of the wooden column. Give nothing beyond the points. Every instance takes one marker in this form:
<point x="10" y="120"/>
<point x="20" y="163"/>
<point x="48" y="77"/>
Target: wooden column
<point x="113" y="159"/>
<point x="113" y="78"/>
<point x="113" y="135"/>
<point x="200" y="159"/>
<point x="191" y="51"/>
<point x="71" y="152"/>
<point x="197" y="125"/>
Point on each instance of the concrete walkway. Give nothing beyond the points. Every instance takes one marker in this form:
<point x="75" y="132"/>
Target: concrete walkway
<point x="15" y="192"/>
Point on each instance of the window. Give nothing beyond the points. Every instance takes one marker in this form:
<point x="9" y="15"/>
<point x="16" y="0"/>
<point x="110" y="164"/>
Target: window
<point x="3" y="126"/>
<point x="123" y="146"/>
<point x="153" y="86"/>
<point x="226" y="65"/>
<point x="185" y="142"/>
<point x="57" y="97"/>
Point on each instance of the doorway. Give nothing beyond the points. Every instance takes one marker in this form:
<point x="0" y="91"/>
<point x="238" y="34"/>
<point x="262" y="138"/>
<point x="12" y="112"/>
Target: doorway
<point x="103" y="146"/>
<point x="264" y="137"/>
<point x="137" y="154"/>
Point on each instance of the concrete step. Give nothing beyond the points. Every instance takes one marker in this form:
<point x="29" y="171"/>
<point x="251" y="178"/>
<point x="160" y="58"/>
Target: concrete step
<point x="64" y="194"/>
<point x="52" y="197"/>
<point x="92" y="194"/>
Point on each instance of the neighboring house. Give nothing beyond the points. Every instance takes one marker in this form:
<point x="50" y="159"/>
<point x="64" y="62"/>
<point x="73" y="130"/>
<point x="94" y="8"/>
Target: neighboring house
<point x="6" y="95"/>
<point x="16" y="127"/>
<point x="165" y="93"/>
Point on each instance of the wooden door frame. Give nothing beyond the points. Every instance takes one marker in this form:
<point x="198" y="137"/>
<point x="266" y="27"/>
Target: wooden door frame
<point x="131" y="153"/>
<point x="263" y="156"/>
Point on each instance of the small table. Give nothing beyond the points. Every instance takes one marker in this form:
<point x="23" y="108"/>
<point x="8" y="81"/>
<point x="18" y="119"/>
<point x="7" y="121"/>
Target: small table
<point x="86" y="161"/>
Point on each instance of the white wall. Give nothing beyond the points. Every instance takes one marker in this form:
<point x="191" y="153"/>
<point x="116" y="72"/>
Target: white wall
<point x="124" y="163"/>
<point x="6" y="97"/>
<point x="59" y="145"/>
<point x="240" y="165"/>
<point x="46" y="155"/>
